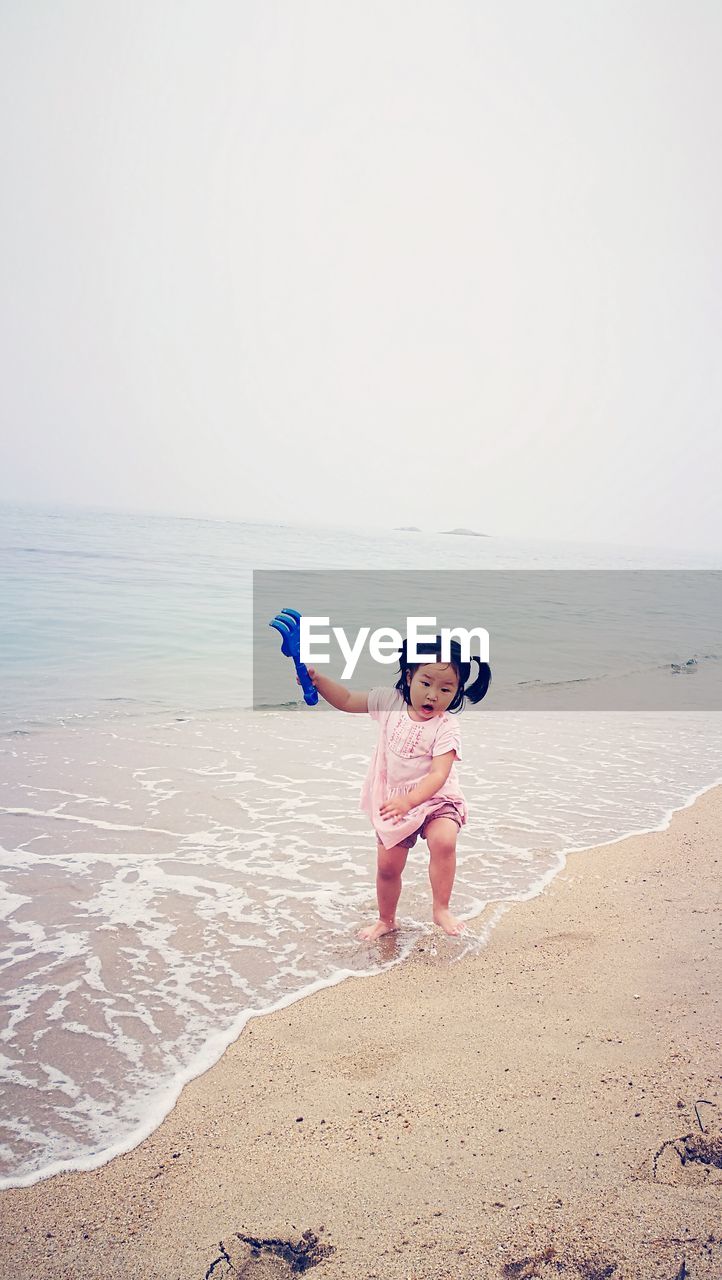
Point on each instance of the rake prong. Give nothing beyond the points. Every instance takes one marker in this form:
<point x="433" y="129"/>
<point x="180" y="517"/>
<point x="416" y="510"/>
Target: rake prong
<point x="281" y="626"/>
<point x="291" y="622"/>
<point x="287" y="623"/>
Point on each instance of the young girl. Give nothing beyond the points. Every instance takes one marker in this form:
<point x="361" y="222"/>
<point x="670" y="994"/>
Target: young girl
<point x="411" y="788"/>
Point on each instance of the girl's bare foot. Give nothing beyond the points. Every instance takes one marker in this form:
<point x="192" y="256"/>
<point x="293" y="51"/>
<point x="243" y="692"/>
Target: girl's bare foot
<point x="374" y="931"/>
<point x="447" y="922"/>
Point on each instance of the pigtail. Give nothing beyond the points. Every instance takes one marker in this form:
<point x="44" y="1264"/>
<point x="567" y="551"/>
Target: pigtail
<point x="402" y="683"/>
<point x="478" y="690"/>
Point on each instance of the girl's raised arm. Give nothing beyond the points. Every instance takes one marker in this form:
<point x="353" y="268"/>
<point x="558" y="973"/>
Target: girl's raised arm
<point x="337" y="694"/>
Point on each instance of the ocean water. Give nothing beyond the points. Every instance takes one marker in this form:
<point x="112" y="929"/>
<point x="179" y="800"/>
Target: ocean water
<point x="174" y="862"/>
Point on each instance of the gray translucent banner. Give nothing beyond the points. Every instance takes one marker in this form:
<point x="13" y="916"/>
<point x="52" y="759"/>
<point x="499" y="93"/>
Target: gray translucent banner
<point x="617" y="640"/>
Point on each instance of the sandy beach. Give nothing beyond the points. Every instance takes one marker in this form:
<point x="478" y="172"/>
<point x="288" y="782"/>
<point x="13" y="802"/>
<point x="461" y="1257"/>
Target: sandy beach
<point x="550" y="1107"/>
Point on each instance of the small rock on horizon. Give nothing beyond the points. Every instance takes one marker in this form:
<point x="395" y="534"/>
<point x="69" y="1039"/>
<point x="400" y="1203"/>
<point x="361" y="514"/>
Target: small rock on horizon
<point x="469" y="533"/>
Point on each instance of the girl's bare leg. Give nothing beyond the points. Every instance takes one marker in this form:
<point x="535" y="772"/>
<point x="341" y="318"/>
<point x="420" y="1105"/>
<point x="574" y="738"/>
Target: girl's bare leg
<point x="389" y="866"/>
<point x="441" y="838"/>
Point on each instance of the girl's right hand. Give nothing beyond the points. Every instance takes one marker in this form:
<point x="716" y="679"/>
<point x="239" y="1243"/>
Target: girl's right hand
<point x="311" y="675"/>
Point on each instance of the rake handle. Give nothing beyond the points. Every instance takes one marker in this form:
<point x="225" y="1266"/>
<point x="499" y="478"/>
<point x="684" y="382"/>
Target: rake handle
<point x="310" y="692"/>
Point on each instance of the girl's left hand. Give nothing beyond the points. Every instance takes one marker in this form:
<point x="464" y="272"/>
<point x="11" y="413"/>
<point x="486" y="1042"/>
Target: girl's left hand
<point x="396" y="809"/>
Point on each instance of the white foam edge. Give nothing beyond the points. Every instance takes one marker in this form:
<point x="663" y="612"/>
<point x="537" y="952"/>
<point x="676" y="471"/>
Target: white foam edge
<point x="216" y="1046"/>
<point x="562" y="854"/>
<point x="209" y="1055"/>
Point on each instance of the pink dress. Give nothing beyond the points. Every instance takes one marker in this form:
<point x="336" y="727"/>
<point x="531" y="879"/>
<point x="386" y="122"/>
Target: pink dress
<point x="403" y="756"/>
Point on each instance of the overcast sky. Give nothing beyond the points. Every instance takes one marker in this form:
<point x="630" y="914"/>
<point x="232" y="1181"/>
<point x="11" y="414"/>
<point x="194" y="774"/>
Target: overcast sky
<point x="450" y="263"/>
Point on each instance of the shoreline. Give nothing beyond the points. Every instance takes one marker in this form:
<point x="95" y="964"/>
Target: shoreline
<point x="219" y="1044"/>
<point x="231" y="1159"/>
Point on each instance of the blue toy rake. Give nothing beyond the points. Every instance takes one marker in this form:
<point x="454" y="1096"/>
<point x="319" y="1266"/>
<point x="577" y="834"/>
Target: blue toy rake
<point x="287" y="624"/>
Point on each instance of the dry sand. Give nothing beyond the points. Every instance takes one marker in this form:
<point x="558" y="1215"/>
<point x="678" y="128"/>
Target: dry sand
<point x="529" y="1112"/>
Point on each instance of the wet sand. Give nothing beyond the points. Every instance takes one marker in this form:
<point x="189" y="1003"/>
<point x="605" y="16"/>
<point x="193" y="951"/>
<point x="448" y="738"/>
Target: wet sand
<point x="534" y="1111"/>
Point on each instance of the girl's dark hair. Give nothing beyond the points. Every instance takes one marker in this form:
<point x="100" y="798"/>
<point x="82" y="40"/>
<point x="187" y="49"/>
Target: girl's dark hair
<point x="432" y="652"/>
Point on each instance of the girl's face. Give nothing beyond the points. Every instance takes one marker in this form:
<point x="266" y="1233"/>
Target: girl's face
<point x="431" y="688"/>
